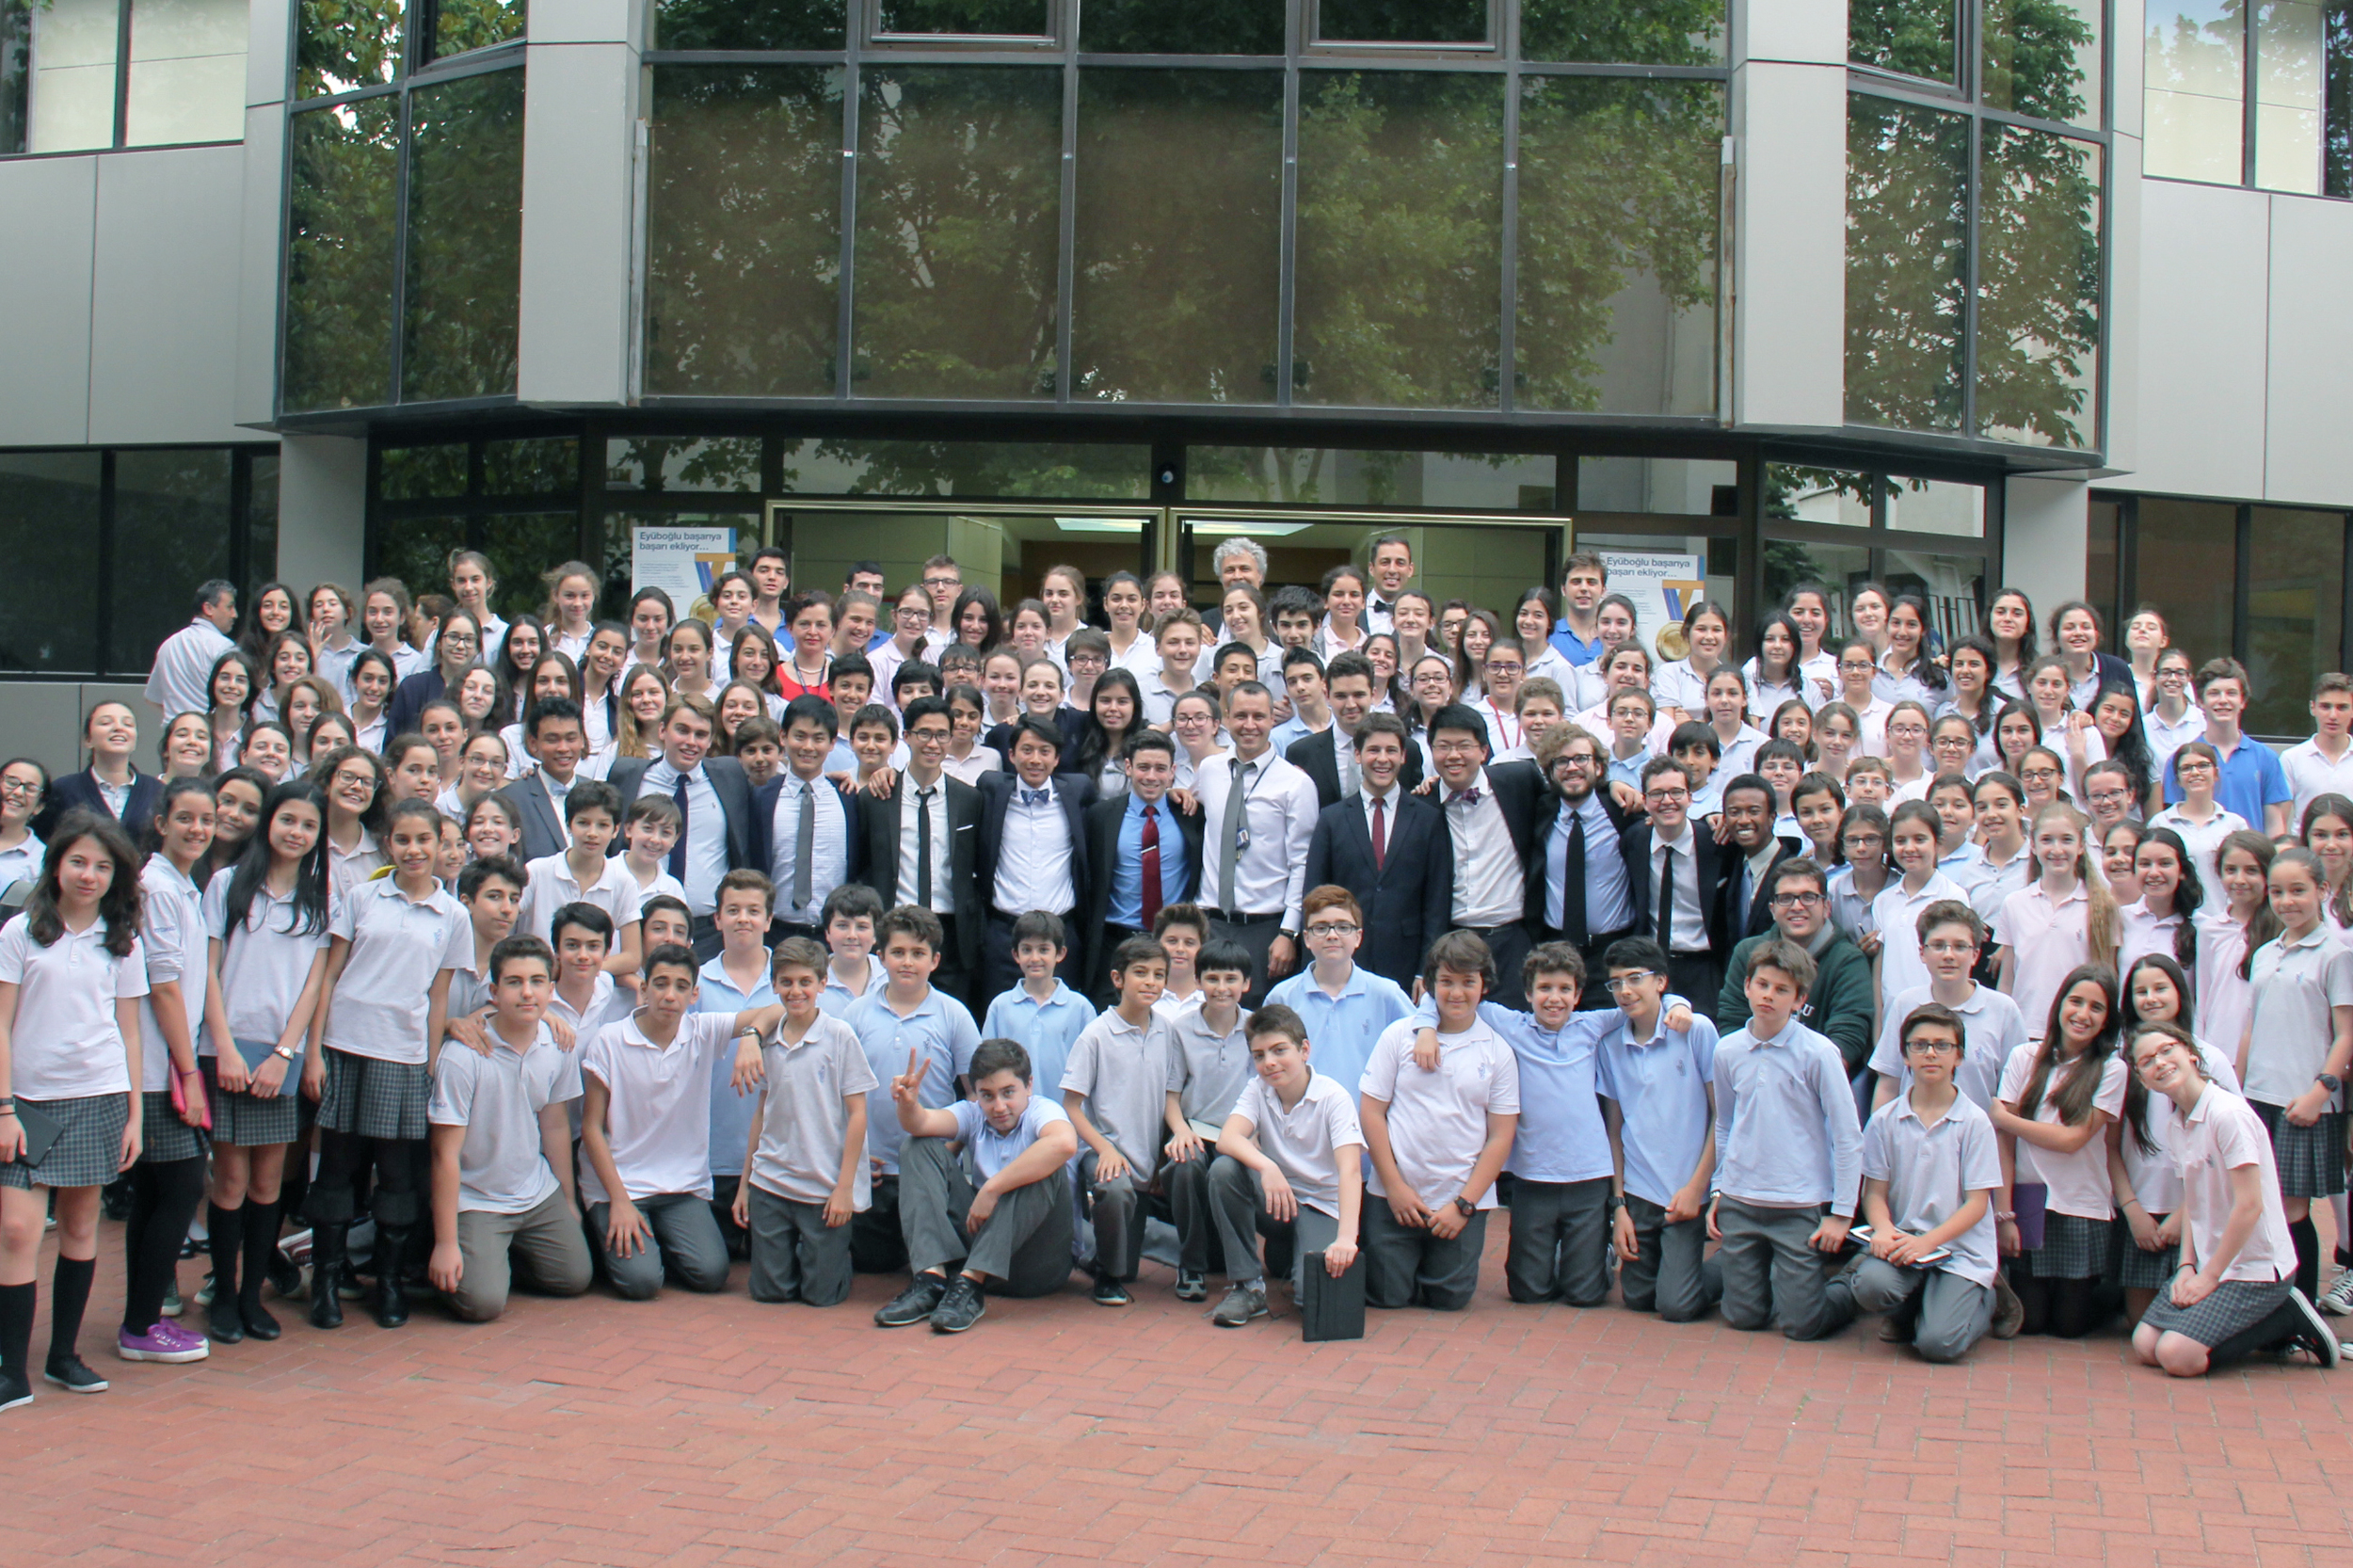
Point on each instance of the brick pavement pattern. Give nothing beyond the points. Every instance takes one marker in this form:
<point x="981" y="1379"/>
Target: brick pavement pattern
<point x="697" y="1430"/>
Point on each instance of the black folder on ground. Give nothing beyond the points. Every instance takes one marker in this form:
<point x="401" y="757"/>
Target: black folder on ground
<point x="1332" y="1308"/>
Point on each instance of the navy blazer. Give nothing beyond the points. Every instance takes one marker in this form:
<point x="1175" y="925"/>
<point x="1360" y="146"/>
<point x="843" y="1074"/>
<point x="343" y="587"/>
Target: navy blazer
<point x="878" y="837"/>
<point x="1073" y="793"/>
<point x="543" y="831"/>
<point x="80" y="790"/>
<point x="764" y="833"/>
<point x="735" y="803"/>
<point x="1315" y="756"/>
<point x="409" y="700"/>
<point x="1103" y="820"/>
<point x="1407" y="898"/>
<point x="1714" y="860"/>
<point x="1540" y="863"/>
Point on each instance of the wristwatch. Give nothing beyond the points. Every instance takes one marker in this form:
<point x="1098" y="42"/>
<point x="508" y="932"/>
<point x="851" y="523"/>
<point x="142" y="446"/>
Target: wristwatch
<point x="1469" y="1208"/>
<point x="1288" y="935"/>
<point x="2330" y="1082"/>
<point x="282" y="1054"/>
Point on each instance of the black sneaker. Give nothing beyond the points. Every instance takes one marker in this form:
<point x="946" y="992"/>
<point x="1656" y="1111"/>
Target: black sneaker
<point x="1192" y="1287"/>
<point x="2314" y="1334"/>
<point x="1110" y="1293"/>
<point x="913" y="1304"/>
<point x="1242" y="1304"/>
<point x="73" y="1374"/>
<point x="14" y="1390"/>
<point x="960" y="1308"/>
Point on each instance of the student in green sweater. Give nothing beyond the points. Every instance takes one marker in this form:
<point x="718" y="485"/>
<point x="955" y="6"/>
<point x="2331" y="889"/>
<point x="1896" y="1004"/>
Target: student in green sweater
<point x="1839" y="1005"/>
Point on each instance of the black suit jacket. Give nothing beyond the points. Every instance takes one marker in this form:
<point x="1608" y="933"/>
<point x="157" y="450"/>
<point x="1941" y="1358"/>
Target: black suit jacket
<point x="1102" y="848"/>
<point x="1314" y="757"/>
<point x="764" y="834"/>
<point x="878" y="840"/>
<point x="80" y="790"/>
<point x="409" y="700"/>
<point x="1520" y="792"/>
<point x="1760" y="918"/>
<point x="735" y="803"/>
<point x="1540" y="866"/>
<point x="543" y="824"/>
<point x="1073" y="793"/>
<point x="1406" y="900"/>
<point x="1713" y="861"/>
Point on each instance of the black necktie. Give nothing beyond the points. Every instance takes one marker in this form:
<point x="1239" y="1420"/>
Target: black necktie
<point x="1667" y="901"/>
<point x="1572" y="892"/>
<point x="923" y="847"/>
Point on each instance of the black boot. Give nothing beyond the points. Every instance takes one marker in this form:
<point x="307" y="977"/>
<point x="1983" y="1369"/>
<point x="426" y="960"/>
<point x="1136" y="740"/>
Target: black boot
<point x="223" y="1322"/>
<point x="261" y="1245"/>
<point x="392" y="1292"/>
<point x="326" y="1274"/>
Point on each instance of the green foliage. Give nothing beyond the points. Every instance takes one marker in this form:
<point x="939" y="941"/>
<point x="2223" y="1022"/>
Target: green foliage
<point x="743" y="239"/>
<point x="1624" y="32"/>
<point x="981" y="18"/>
<point x="1906" y="233"/>
<point x="462" y="24"/>
<point x="341" y="220"/>
<point x="2038" y="287"/>
<point x="538" y="465"/>
<point x="422" y="473"/>
<point x="1196" y="28"/>
<point x="2034" y="58"/>
<point x="748" y="24"/>
<point x="1918" y="38"/>
<point x="703" y="463"/>
<point x="465" y="238"/>
<point x="347" y="44"/>
<point x="1404" y="20"/>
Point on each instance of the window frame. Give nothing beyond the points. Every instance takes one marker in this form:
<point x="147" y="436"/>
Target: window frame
<point x="2250" y="116"/>
<point x="121" y="121"/>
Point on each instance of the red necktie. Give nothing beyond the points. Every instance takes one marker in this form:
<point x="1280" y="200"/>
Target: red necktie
<point x="1380" y="836"/>
<point x="1150" y="863"/>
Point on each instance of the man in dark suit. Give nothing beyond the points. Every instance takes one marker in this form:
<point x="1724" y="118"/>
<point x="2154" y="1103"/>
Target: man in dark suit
<point x="713" y="797"/>
<point x="1329" y="757"/>
<point x="806" y="823"/>
<point x="1669" y="847"/>
<point x="1749" y="860"/>
<point x="1578" y="888"/>
<point x="554" y="736"/>
<point x="1403" y="879"/>
<point x="1033" y="853"/>
<point x="938" y="871"/>
<point x="1143" y="854"/>
<point x="1491" y="815"/>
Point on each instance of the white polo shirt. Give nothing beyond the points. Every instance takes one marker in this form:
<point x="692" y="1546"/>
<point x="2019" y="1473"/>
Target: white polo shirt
<point x="805" y="1121"/>
<point x="553" y="886"/>
<point x="659" y="1120"/>
<point x="2222" y="1134"/>
<point x="265" y="966"/>
<point x="2295" y="981"/>
<point x="2078" y="1182"/>
<point x="1438" y="1120"/>
<point x="66" y="1043"/>
<point x="1123" y="1071"/>
<point x="1304" y="1141"/>
<point x="172" y="929"/>
<point x="1991" y="1028"/>
<point x="382" y="1000"/>
<point x="502" y="1168"/>
<point x="2310" y="773"/>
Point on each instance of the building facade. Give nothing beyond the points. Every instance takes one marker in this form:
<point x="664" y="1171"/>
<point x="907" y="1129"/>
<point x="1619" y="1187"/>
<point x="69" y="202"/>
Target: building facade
<point x="1946" y="293"/>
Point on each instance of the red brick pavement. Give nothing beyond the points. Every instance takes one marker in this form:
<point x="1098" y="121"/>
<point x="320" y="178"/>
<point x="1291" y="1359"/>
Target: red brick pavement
<point x="697" y="1431"/>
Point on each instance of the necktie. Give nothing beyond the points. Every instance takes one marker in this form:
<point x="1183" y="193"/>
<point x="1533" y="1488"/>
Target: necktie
<point x="1346" y="754"/>
<point x="804" y="846"/>
<point x="1149" y="862"/>
<point x="1573" y="891"/>
<point x="1229" y="845"/>
<point x="677" y="851"/>
<point x="1741" y="896"/>
<point x="1380" y="835"/>
<point x="1667" y="901"/>
<point x="923" y="846"/>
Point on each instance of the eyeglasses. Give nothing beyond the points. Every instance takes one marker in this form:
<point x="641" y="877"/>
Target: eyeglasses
<point x="1932" y="1048"/>
<point x="2110" y="797"/>
<point x="2038" y="775"/>
<point x="1856" y="665"/>
<point x="1949" y="946"/>
<point x="459" y="639"/>
<point x="1621" y="984"/>
<point x="912" y="612"/>
<point x="20" y="786"/>
<point x="1794" y="901"/>
<point x="1332" y="928"/>
<point x="944" y="582"/>
<point x="1910" y="731"/>
<point x="1665" y="797"/>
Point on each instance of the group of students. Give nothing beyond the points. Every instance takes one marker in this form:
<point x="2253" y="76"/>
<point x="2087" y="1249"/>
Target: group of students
<point x="530" y="985"/>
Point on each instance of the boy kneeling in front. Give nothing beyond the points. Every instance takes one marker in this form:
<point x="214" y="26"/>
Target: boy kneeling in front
<point x="1290" y="1166"/>
<point x="999" y="1210"/>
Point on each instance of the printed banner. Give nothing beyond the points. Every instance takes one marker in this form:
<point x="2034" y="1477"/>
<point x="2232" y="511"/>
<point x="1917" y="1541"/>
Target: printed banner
<point x="682" y="562"/>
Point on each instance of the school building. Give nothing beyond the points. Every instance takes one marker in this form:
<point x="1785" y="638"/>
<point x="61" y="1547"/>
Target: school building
<point x="1946" y="293"/>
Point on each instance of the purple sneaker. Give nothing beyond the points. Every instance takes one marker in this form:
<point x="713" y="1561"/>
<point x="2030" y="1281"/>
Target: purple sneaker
<point x="165" y="1341"/>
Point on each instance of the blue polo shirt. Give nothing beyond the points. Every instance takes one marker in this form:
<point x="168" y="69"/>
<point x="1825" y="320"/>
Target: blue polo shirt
<point x="1341" y="1030"/>
<point x="941" y="1034"/>
<point x="1044" y="1028"/>
<point x="2251" y="778"/>
<point x="1576" y="649"/>
<point x="1562" y="1136"/>
<point x="730" y="1112"/>
<point x="1661" y="1091"/>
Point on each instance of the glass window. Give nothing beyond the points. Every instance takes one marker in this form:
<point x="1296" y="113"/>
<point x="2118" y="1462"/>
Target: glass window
<point x="1661" y="570"/>
<point x="744" y="231"/>
<point x="462" y="24"/>
<point x="2038" y="289"/>
<point x="683" y="463"/>
<point x="1400" y="238"/>
<point x="1651" y="32"/>
<point x="1906" y="233"/>
<point x="1838" y="567"/>
<point x="1157" y="27"/>
<point x="1176" y="288"/>
<point x="542" y="465"/>
<point x="2336" y="148"/>
<point x="339" y="220"/>
<point x="966" y="18"/>
<point x="343" y="45"/>
<point x="1619" y="199"/>
<point x="465" y="238"/>
<point x="1833" y="496"/>
<point x="2103" y="524"/>
<point x="1331" y="476"/>
<point x="2288" y="96"/>
<point x="2295" y="614"/>
<point x="619" y="538"/>
<point x="1935" y="507"/>
<point x="2188" y="557"/>
<point x="1483" y="563"/>
<point x="1953" y="588"/>
<point x="1401" y="20"/>
<point x="49" y="517"/>
<point x="171" y="517"/>
<point x="1687" y="487"/>
<point x="421" y="472"/>
<point x="1077" y="469"/>
<point x="188" y="74"/>
<point x="61" y="56"/>
<point x="1918" y="38"/>
<point x="522" y="546"/>
<point x="417" y="550"/>
<point x="958" y="213"/>
<point x="759" y="24"/>
<point x="2194" y="65"/>
<point x="2041" y="57"/>
<point x="261" y="523"/>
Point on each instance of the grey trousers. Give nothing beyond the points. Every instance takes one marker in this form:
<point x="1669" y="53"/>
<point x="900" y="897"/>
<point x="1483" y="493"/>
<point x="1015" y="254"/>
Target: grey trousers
<point x="1414" y="1268"/>
<point x="1955" y="1313"/>
<point x="1022" y="1249"/>
<point x="1558" y="1231"/>
<point x="1771" y="1276"/>
<point x="795" y="1255"/>
<point x="684" y="1242"/>
<point x="1672" y="1276"/>
<point x="1192" y="1206"/>
<point x="1238" y="1204"/>
<point x="554" y="1255"/>
<point x="1117" y="1208"/>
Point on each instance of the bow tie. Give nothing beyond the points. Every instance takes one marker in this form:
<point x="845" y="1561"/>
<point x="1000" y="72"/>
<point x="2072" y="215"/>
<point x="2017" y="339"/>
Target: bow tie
<point x="1037" y="797"/>
<point x="1466" y="797"/>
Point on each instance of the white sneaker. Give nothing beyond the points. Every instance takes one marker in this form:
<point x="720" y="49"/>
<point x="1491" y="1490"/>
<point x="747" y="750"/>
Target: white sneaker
<point x="2338" y="1298"/>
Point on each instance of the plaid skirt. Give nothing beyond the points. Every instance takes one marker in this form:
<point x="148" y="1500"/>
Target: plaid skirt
<point x="89" y="1150"/>
<point x="370" y="1097"/>
<point x="2231" y="1306"/>
<point x="2133" y="1269"/>
<point x="2072" y="1248"/>
<point x="245" y="1122"/>
<point x="162" y="1136"/>
<point x="2310" y="1159"/>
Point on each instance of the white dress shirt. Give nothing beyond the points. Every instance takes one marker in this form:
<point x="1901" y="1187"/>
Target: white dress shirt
<point x="181" y="682"/>
<point x="1490" y="889"/>
<point x="910" y="815"/>
<point x="706" y="831"/>
<point x="1279" y="812"/>
<point x="1690" y="929"/>
<point x="830" y="848"/>
<point x="1034" y="855"/>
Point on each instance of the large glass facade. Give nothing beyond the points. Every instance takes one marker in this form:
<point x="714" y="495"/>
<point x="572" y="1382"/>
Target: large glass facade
<point x="2240" y="93"/>
<point x="67" y="82"/>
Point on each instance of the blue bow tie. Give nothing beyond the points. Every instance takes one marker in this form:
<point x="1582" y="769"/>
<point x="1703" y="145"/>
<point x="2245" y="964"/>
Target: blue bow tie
<point x="1466" y="797"/>
<point x="1037" y="797"/>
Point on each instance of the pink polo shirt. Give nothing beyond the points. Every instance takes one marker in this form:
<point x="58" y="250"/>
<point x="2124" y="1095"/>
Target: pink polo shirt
<point x="2047" y="939"/>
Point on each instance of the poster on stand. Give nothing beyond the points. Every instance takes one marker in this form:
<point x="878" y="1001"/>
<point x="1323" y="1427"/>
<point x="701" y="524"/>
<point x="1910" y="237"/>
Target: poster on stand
<point x="682" y="562"/>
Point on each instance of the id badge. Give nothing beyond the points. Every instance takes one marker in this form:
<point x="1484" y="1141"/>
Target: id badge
<point x="1241" y="839"/>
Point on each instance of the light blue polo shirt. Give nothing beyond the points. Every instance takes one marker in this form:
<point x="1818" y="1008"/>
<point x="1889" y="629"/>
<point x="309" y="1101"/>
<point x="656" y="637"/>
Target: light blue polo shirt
<point x="1341" y="1030"/>
<point x="1661" y="1091"/>
<point x="939" y="1032"/>
<point x="837" y="1000"/>
<point x="1562" y="1136"/>
<point x="1044" y="1028"/>
<point x="2251" y="778"/>
<point x="730" y="1112"/>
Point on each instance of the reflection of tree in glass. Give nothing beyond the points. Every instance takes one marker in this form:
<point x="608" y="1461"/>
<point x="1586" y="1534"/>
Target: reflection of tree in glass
<point x="2038" y="287"/>
<point x="2337" y="93"/>
<point x="1618" y="177"/>
<point x="347" y="44"/>
<point x="339" y="222"/>
<point x="1075" y="470"/>
<point x="2196" y="56"/>
<point x="1915" y="36"/>
<point x="1404" y="20"/>
<point x="743" y="237"/>
<point x="538" y="465"/>
<point x="1400" y="198"/>
<point x="1196" y="27"/>
<point x="1907" y="219"/>
<point x="983" y="18"/>
<point x="748" y="24"/>
<point x="1625" y="32"/>
<point x="2033" y="64"/>
<point x="958" y="213"/>
<point x="718" y="463"/>
<point x="462" y="24"/>
<point x="465" y="238"/>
